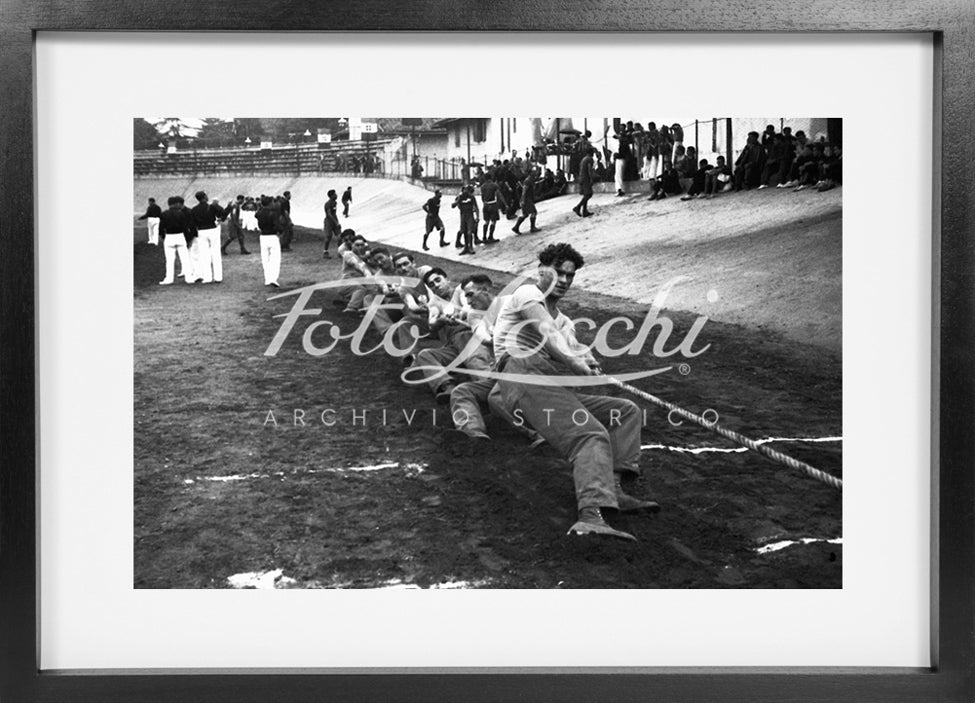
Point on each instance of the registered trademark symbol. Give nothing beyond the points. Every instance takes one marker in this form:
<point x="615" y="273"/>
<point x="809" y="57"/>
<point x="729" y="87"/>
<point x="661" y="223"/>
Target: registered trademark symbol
<point x="684" y="369"/>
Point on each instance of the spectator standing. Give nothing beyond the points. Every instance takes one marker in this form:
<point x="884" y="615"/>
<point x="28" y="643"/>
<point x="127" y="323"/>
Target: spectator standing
<point x="331" y="223"/>
<point x="652" y="151"/>
<point x="619" y="164"/>
<point x="586" y="177"/>
<point x="151" y="216"/>
<point x="666" y="148"/>
<point x="677" y="134"/>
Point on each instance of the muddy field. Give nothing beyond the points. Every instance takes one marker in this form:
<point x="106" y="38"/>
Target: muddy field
<point x="225" y="496"/>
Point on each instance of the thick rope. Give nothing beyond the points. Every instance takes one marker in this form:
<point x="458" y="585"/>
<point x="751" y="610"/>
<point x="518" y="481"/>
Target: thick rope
<point x="772" y="454"/>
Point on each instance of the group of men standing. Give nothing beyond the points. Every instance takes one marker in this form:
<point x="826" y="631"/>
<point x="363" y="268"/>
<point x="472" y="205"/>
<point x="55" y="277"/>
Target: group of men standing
<point x="193" y="235"/>
<point x="496" y="198"/>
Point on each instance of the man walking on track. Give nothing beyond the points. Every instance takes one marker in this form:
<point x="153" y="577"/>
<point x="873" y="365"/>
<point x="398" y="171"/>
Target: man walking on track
<point x="151" y="217"/>
<point x="492" y="202"/>
<point x="332" y="226"/>
<point x="235" y="225"/>
<point x="528" y="211"/>
<point x="346" y="201"/>
<point x="585" y="184"/>
<point x="599" y="435"/>
<point x="432" y="208"/>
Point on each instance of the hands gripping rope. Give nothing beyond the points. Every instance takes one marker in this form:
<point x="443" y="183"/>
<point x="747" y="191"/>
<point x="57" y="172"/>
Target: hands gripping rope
<point x="733" y="436"/>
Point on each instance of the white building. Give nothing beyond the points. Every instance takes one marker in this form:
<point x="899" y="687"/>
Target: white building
<point x="482" y="139"/>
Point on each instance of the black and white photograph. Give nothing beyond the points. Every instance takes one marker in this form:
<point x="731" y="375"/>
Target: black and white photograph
<point x="488" y="352"/>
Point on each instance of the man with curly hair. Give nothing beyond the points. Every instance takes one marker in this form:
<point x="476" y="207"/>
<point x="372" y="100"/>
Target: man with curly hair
<point x="599" y="435"/>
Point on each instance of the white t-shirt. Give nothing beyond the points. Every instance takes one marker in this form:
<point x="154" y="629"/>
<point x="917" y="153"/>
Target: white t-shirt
<point x="512" y="333"/>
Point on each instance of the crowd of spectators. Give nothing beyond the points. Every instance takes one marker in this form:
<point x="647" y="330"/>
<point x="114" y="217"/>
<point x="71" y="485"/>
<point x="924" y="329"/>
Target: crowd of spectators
<point x="771" y="159"/>
<point x="778" y="159"/>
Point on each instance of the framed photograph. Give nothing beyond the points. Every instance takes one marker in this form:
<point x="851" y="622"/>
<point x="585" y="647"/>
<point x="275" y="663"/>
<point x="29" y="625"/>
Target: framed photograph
<point x="363" y="399"/>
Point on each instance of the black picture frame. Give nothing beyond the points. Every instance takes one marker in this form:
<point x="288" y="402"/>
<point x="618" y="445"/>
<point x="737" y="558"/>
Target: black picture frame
<point x="951" y="25"/>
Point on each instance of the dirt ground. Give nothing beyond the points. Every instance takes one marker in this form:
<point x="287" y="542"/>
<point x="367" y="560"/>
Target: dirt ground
<point x="224" y="497"/>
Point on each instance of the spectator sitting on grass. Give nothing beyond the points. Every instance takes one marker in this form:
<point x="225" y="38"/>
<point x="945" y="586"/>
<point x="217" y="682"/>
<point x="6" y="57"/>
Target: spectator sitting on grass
<point x="787" y="160"/>
<point x="697" y="184"/>
<point x="686" y="161"/>
<point x="561" y="182"/>
<point x="806" y="167"/>
<point x="831" y="170"/>
<point x="748" y="165"/>
<point x="668" y="183"/>
<point x="774" y="155"/>
<point x="716" y="179"/>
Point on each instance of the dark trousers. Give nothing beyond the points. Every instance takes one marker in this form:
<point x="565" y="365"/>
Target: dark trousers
<point x="583" y="205"/>
<point x="287" y="232"/>
<point x="236" y="232"/>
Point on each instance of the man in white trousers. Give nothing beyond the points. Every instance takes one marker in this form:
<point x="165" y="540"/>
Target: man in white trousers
<point x="209" y="262"/>
<point x="151" y="217"/>
<point x="268" y="222"/>
<point x="174" y="226"/>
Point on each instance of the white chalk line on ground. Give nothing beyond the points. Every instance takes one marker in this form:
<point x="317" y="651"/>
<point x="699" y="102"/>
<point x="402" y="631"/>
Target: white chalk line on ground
<point x="778" y="546"/>
<point x="412" y="468"/>
<point x="275" y="578"/>
<point x="737" y="450"/>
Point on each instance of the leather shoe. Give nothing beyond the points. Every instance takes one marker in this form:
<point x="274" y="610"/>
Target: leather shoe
<point x="591" y="522"/>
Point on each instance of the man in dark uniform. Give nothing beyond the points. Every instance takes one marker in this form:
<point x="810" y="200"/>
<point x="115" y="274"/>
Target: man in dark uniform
<point x="174" y="226"/>
<point x="287" y="226"/>
<point x="332" y="226"/>
<point x="269" y="224"/>
<point x="432" y="208"/>
<point x="467" y="204"/>
<point x="209" y="264"/>
<point x="346" y="201"/>
<point x="152" y="221"/>
<point x="586" y="177"/>
<point x="528" y="210"/>
<point x="492" y="201"/>
<point x="235" y="226"/>
<point x="190" y="272"/>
